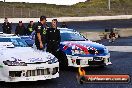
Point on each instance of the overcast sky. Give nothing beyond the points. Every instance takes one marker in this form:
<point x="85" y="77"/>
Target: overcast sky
<point x="57" y="2"/>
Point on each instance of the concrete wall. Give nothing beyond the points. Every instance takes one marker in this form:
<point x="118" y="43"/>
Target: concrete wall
<point x="125" y="32"/>
<point x="67" y="19"/>
<point x="94" y="36"/>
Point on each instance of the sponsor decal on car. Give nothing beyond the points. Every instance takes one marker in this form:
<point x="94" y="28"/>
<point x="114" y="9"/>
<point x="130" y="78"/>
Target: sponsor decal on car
<point x="35" y="59"/>
<point x="39" y="67"/>
<point x="76" y="46"/>
<point x="16" y="59"/>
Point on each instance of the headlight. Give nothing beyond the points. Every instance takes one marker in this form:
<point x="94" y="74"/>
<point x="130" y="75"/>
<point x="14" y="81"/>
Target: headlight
<point x="77" y="52"/>
<point x="54" y="60"/>
<point x="14" y="63"/>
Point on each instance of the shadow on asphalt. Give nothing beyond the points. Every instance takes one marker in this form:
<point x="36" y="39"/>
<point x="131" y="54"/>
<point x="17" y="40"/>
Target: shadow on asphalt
<point x="28" y="84"/>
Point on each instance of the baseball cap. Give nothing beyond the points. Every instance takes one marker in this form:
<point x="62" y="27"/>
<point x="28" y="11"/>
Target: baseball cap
<point x="54" y="20"/>
<point x="42" y="18"/>
<point x="20" y="21"/>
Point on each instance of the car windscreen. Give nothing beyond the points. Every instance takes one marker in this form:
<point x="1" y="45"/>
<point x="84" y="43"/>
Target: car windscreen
<point x="17" y="42"/>
<point x="65" y="36"/>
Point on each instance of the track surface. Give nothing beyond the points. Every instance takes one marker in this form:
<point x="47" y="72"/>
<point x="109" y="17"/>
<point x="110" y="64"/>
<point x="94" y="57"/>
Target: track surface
<point x="122" y="64"/>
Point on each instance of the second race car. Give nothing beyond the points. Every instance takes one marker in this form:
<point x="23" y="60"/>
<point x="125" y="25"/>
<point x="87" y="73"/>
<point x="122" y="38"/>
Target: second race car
<point x="76" y="50"/>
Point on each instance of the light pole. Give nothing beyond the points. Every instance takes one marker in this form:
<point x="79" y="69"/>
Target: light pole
<point x="4" y="8"/>
<point x="109" y="5"/>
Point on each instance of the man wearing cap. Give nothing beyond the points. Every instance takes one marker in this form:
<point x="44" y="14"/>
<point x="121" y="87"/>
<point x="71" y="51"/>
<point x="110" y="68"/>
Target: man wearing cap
<point x="30" y="28"/>
<point x="20" y="29"/>
<point x="40" y="35"/>
<point x="53" y="38"/>
<point x="6" y="27"/>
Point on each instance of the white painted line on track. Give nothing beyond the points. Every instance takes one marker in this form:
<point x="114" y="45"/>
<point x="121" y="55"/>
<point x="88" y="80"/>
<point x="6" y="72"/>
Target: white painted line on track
<point x="120" y="48"/>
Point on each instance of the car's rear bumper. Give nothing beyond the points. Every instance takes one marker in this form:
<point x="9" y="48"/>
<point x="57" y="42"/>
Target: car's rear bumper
<point x="76" y="61"/>
<point x="32" y="72"/>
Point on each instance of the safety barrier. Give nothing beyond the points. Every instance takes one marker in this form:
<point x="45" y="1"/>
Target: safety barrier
<point x="125" y="32"/>
<point x="67" y="19"/>
<point x="94" y="36"/>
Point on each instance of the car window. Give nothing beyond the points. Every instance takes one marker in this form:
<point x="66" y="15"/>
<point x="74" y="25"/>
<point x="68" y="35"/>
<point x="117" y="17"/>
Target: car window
<point x="72" y="37"/>
<point x="17" y="42"/>
<point x="5" y="40"/>
<point x="14" y="41"/>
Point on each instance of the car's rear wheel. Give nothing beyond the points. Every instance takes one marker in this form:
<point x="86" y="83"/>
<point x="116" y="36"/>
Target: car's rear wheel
<point x="63" y="61"/>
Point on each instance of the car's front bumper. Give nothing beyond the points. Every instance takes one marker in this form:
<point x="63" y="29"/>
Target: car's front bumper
<point x="76" y="61"/>
<point x="31" y="72"/>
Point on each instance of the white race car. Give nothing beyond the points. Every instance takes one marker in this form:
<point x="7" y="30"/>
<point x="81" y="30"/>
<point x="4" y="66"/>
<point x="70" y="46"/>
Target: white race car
<point x="18" y="62"/>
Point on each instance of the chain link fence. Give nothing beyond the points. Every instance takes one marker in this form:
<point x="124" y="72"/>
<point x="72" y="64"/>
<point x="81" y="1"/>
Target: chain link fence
<point x="32" y="13"/>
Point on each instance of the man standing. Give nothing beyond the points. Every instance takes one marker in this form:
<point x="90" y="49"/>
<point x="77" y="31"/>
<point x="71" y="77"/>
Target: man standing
<point x="20" y="29"/>
<point x="40" y="35"/>
<point x="53" y="38"/>
<point x="30" y="28"/>
<point x="6" y="27"/>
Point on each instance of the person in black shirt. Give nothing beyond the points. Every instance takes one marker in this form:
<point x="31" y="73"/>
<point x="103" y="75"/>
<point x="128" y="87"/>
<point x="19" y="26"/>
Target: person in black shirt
<point x="112" y="36"/>
<point x="30" y="28"/>
<point x="64" y="25"/>
<point x="20" y="29"/>
<point x="53" y="38"/>
<point x="40" y="33"/>
<point x="6" y="27"/>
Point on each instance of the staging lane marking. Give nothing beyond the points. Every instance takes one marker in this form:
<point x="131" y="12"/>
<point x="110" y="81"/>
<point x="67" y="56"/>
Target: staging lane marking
<point x="120" y="48"/>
